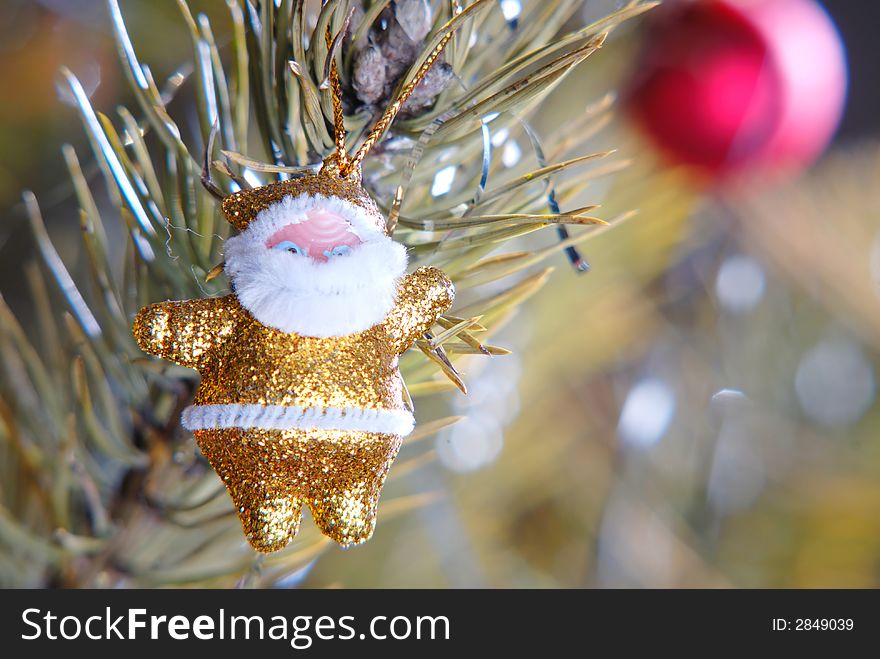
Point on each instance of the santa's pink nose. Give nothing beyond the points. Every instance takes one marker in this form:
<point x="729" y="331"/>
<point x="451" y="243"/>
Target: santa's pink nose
<point x="321" y="236"/>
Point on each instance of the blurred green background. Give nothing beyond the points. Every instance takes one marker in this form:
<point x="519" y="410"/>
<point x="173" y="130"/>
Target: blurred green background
<point x="699" y="410"/>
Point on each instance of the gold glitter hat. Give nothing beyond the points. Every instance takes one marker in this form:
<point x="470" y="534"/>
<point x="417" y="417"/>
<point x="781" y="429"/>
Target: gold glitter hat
<point x="242" y="207"/>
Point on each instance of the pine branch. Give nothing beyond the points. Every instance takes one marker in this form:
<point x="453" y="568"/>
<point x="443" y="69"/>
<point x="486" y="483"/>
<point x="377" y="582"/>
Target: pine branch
<point x="100" y="486"/>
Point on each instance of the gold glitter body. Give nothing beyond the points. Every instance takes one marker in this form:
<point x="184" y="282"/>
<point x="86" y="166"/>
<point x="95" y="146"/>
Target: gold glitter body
<point x="243" y="361"/>
<point x="271" y="473"/>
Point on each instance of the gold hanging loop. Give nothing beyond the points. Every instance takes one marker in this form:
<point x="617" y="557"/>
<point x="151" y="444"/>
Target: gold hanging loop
<point x="340" y="154"/>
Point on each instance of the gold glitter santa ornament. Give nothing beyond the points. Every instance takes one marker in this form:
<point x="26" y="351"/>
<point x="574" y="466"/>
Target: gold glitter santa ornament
<point x="301" y="399"/>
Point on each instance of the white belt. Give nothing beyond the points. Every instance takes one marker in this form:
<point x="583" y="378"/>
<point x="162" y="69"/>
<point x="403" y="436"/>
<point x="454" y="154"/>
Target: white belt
<point x="281" y="417"/>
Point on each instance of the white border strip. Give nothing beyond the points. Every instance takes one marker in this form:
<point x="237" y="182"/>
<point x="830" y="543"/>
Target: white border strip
<point x="281" y="417"/>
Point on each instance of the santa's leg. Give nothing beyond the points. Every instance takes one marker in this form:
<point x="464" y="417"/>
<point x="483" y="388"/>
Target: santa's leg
<point x="268" y="503"/>
<point x="348" y="470"/>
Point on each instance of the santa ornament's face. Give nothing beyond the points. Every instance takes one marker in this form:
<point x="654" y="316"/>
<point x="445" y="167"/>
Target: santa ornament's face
<point x="321" y="236"/>
<point x="316" y="266"/>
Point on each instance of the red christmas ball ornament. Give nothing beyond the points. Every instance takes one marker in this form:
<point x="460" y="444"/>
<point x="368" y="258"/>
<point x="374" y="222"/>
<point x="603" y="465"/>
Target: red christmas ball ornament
<point x="740" y="86"/>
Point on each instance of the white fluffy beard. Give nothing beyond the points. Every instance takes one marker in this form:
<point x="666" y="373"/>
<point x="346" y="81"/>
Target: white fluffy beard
<point x="297" y="295"/>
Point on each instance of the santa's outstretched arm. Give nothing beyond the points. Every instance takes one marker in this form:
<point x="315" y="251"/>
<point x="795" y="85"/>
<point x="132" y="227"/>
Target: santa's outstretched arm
<point x="421" y="298"/>
<point x="185" y="331"/>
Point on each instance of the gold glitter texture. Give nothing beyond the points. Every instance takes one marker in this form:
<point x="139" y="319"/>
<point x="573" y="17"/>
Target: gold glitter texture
<point x="270" y="474"/>
<point x="243" y="361"/>
<point x="242" y="207"/>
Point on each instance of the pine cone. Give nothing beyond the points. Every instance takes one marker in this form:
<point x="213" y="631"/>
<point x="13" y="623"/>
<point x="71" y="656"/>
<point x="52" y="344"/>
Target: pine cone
<point x="381" y="60"/>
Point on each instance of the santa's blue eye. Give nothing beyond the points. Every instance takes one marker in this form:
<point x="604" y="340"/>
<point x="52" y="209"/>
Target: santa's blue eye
<point x="339" y="250"/>
<point x="289" y="246"/>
